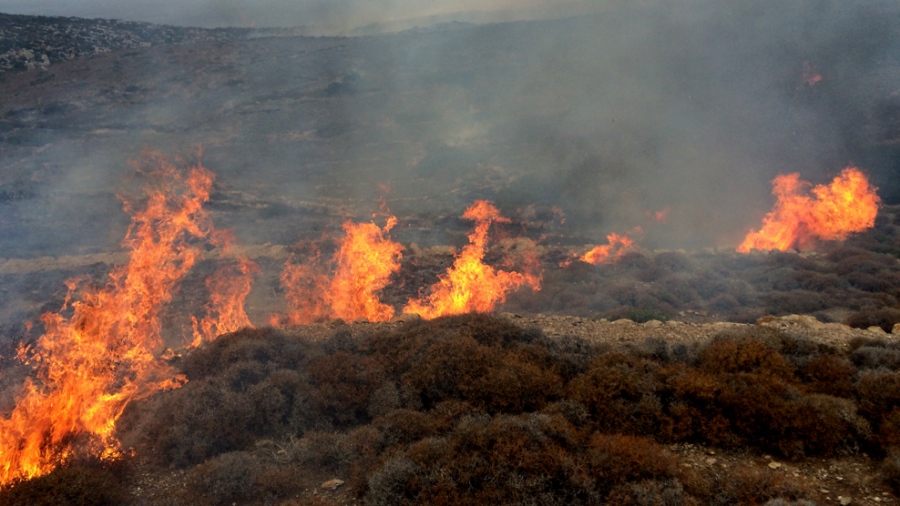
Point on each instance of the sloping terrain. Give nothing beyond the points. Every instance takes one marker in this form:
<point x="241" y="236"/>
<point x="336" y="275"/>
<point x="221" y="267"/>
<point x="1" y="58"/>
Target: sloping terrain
<point x="575" y="128"/>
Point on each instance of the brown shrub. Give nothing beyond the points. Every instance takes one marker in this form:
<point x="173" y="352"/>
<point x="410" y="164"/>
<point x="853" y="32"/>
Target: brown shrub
<point x="613" y="389"/>
<point x="403" y="426"/>
<point x="830" y="374"/>
<point x="753" y="486"/>
<point x="83" y="483"/>
<point x="343" y="384"/>
<point x="795" y="302"/>
<point x="488" y="377"/>
<point x="484" y="460"/>
<point x="744" y="356"/>
<point x="882" y="317"/>
<point x="187" y="426"/>
<point x="890" y="470"/>
<point x="278" y="482"/>
<point x="648" y="493"/>
<point x="877" y="393"/>
<point x="614" y="460"/>
<point x="264" y="346"/>
<point x="223" y="480"/>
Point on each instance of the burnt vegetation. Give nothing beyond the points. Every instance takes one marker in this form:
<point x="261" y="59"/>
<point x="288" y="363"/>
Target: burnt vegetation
<point x="476" y="410"/>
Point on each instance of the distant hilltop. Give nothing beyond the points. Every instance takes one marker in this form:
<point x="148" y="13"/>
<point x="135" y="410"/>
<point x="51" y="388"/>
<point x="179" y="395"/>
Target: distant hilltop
<point x="36" y="42"/>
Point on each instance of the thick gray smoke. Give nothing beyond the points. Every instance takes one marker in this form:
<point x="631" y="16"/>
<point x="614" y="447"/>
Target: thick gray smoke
<point x="687" y="108"/>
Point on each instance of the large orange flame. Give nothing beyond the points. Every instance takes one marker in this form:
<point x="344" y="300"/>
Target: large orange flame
<point x="849" y="204"/>
<point x="363" y="266"/>
<point x="469" y="284"/>
<point x="98" y="352"/>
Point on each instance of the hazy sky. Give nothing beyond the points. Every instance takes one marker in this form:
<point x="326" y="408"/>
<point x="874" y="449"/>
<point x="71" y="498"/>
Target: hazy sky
<point x="259" y="13"/>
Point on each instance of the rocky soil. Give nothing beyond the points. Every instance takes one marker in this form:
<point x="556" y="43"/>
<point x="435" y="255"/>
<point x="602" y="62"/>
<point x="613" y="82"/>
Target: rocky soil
<point x="36" y="42"/>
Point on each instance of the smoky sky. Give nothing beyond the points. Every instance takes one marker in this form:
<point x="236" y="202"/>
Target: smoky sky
<point x="687" y="108"/>
<point x="335" y="15"/>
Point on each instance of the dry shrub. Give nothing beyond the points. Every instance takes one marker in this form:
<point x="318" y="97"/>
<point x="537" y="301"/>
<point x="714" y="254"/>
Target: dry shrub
<point x="278" y="482"/>
<point x="830" y="374"/>
<point x="794" y="301"/>
<point x="79" y="483"/>
<point x="753" y="486"/>
<point x="614" y="460"/>
<point x="648" y="493"/>
<point x="223" y="480"/>
<point x="321" y="450"/>
<point x="403" y="426"/>
<point x="885" y="318"/>
<point x="494" y="379"/>
<point x="744" y="356"/>
<point x="890" y="469"/>
<point x="673" y="261"/>
<point x="613" y="390"/>
<point x="186" y="426"/>
<point x="876" y="357"/>
<point x="484" y="460"/>
<point x="342" y="385"/>
<point x="265" y="346"/>
<point x="877" y="393"/>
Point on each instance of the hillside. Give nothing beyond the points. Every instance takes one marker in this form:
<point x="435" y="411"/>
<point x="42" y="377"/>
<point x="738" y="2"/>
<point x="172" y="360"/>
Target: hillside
<point x="329" y="191"/>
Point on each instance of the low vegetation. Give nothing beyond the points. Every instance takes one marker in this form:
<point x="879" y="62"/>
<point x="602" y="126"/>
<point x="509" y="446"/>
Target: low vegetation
<point x="475" y="410"/>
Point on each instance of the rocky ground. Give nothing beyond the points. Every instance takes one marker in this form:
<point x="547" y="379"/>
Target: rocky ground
<point x="36" y="42"/>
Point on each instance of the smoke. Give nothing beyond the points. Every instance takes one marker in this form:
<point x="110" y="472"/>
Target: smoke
<point x="325" y="16"/>
<point x="612" y="116"/>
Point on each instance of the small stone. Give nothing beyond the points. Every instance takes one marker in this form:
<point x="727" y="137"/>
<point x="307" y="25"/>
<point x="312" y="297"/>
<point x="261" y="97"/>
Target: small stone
<point x="710" y="461"/>
<point x="623" y="321"/>
<point x="876" y="329"/>
<point x="406" y="318"/>
<point x="824" y="490"/>
<point x="774" y="465"/>
<point x="653" y="324"/>
<point x="896" y="329"/>
<point x="845" y="501"/>
<point x="332" y="484"/>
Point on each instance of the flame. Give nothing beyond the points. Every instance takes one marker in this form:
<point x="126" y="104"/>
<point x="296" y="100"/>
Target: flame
<point x="469" y="284"/>
<point x="363" y="266"/>
<point x="228" y="288"/>
<point x="849" y="204"/>
<point x="811" y="75"/>
<point x="365" y="263"/>
<point x="88" y="365"/>
<point x="618" y="245"/>
<point x="660" y="216"/>
<point x="99" y="351"/>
